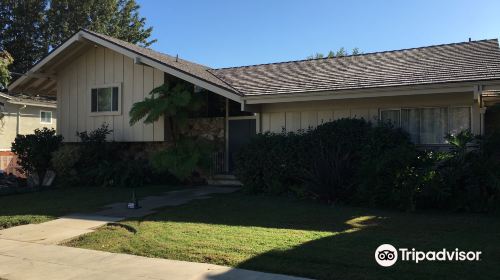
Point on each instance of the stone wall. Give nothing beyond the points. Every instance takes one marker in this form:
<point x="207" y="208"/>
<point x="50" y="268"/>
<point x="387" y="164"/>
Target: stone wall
<point x="208" y="128"/>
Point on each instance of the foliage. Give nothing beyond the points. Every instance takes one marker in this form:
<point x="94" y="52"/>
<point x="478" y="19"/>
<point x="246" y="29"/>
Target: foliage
<point x="339" y="53"/>
<point x="5" y="60"/>
<point x="120" y="173"/>
<point x="332" y="158"/>
<point x="183" y="159"/>
<point x="95" y="148"/>
<point x="116" y="18"/>
<point x="468" y="177"/>
<point x="270" y="163"/>
<point x="352" y="161"/>
<point x="175" y="100"/>
<point x="22" y="32"/>
<point x="34" y="151"/>
<point x="390" y="173"/>
<point x="30" y="29"/>
<point x="65" y="161"/>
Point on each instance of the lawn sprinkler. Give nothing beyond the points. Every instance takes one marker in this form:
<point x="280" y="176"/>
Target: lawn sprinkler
<point x="134" y="204"/>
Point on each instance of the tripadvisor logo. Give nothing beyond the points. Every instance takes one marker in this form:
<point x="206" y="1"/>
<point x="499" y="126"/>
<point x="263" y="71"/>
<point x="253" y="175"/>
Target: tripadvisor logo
<point x="387" y="255"/>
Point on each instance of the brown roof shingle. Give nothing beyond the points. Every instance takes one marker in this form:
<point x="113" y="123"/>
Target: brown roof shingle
<point x="468" y="61"/>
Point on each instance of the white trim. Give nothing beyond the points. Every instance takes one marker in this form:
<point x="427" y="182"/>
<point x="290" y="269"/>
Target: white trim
<point x="105" y="113"/>
<point x="43" y="111"/>
<point x="160" y="66"/>
<point x="360" y="93"/>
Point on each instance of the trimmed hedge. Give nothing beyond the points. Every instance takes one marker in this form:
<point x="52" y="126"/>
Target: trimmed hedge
<point x="353" y="161"/>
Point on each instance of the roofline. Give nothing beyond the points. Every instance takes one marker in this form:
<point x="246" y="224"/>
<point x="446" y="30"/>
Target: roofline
<point x="22" y="101"/>
<point x="356" y="55"/>
<point x="84" y="34"/>
<point x="373" y="92"/>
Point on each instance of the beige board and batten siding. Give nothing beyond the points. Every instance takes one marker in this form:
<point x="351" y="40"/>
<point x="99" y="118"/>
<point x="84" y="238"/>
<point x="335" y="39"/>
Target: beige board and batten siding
<point x="29" y="120"/>
<point x="292" y="116"/>
<point x="100" y="66"/>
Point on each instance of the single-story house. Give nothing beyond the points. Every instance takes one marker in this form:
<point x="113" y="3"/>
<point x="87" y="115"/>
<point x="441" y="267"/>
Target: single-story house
<point x="22" y="114"/>
<point x="428" y="91"/>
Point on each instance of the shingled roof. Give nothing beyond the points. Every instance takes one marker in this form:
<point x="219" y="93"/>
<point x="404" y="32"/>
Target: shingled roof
<point x="468" y="61"/>
<point x="188" y="67"/>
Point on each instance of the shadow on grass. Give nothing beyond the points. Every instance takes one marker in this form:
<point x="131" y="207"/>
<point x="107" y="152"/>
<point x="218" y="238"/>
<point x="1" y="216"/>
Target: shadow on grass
<point x="353" y="234"/>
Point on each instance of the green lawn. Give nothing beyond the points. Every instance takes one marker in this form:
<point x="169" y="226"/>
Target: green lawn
<point x="302" y="238"/>
<point x="46" y="205"/>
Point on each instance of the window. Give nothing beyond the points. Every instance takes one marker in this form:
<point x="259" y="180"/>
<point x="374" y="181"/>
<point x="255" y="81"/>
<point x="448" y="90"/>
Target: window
<point x="429" y="125"/>
<point x="46" y="117"/>
<point x="105" y="99"/>
<point x="390" y="116"/>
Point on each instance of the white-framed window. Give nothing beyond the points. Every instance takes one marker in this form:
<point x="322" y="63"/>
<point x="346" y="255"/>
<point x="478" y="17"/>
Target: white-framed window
<point x="429" y="125"/>
<point x="46" y="117"/>
<point x="105" y="100"/>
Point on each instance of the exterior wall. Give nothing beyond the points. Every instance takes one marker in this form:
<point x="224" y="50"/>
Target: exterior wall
<point x="292" y="116"/>
<point x="29" y="120"/>
<point x="101" y="66"/>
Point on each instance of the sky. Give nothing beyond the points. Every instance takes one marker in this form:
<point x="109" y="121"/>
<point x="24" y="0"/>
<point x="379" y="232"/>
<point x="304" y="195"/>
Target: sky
<point x="225" y="33"/>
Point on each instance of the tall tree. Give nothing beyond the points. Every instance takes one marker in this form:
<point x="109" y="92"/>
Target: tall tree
<point x="116" y="18"/>
<point x="341" y="52"/>
<point x="5" y="61"/>
<point x="22" y="26"/>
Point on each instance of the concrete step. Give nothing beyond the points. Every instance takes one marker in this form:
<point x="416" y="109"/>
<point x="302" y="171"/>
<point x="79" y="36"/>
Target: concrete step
<point x="224" y="180"/>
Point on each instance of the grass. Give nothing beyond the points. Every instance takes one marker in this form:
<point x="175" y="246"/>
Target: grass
<point x="37" y="207"/>
<point x="302" y="238"/>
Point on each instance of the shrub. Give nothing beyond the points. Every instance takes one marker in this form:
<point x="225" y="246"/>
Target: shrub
<point x="125" y="173"/>
<point x="390" y="173"/>
<point x="271" y="163"/>
<point x="34" y="151"/>
<point x="332" y="158"/>
<point x="65" y="163"/>
<point x="184" y="159"/>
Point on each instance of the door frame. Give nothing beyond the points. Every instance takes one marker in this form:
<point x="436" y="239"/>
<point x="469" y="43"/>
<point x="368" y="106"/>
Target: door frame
<point x="226" y="131"/>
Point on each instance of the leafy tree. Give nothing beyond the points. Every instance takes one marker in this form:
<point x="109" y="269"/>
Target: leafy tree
<point x="5" y="60"/>
<point x="341" y="52"/>
<point x="22" y="26"/>
<point x="174" y="100"/>
<point x="116" y="18"/>
<point x="30" y="28"/>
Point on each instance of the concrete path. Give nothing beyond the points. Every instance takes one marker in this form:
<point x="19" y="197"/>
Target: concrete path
<point x="30" y="252"/>
<point x="30" y="261"/>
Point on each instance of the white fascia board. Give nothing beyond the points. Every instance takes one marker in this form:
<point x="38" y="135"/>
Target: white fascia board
<point x="54" y="106"/>
<point x="58" y="50"/>
<point x="360" y="93"/>
<point x="174" y="72"/>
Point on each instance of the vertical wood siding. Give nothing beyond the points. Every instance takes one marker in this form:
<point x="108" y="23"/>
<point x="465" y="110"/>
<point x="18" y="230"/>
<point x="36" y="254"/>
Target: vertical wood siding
<point x="100" y="66"/>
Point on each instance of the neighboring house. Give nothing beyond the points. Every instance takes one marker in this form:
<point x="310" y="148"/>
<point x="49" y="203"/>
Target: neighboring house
<point x="22" y="114"/>
<point x="428" y="91"/>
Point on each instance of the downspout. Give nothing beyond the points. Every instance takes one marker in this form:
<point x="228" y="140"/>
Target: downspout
<point x="18" y="118"/>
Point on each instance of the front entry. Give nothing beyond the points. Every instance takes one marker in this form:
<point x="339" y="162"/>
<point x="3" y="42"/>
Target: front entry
<point x="239" y="134"/>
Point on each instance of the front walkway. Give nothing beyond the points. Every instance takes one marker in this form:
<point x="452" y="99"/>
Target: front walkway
<point x="31" y="251"/>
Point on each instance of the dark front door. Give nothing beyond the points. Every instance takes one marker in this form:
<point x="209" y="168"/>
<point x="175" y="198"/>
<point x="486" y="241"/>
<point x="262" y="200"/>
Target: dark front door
<point x="240" y="132"/>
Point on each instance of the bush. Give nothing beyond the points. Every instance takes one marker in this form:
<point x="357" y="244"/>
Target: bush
<point x="185" y="159"/>
<point x="34" y="151"/>
<point x="65" y="163"/>
<point x="390" y="173"/>
<point x="351" y="161"/>
<point x="332" y="157"/>
<point x="271" y="163"/>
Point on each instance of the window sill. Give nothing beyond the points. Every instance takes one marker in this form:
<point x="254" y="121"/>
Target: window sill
<point x="100" y="114"/>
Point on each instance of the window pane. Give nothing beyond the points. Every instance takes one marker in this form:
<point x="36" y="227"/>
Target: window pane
<point x="433" y="125"/>
<point x="459" y="119"/>
<point x="410" y="122"/>
<point x="45" y="117"/>
<point x="390" y="116"/>
<point x="93" y="101"/>
<point x="104" y="100"/>
<point x="115" y="99"/>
